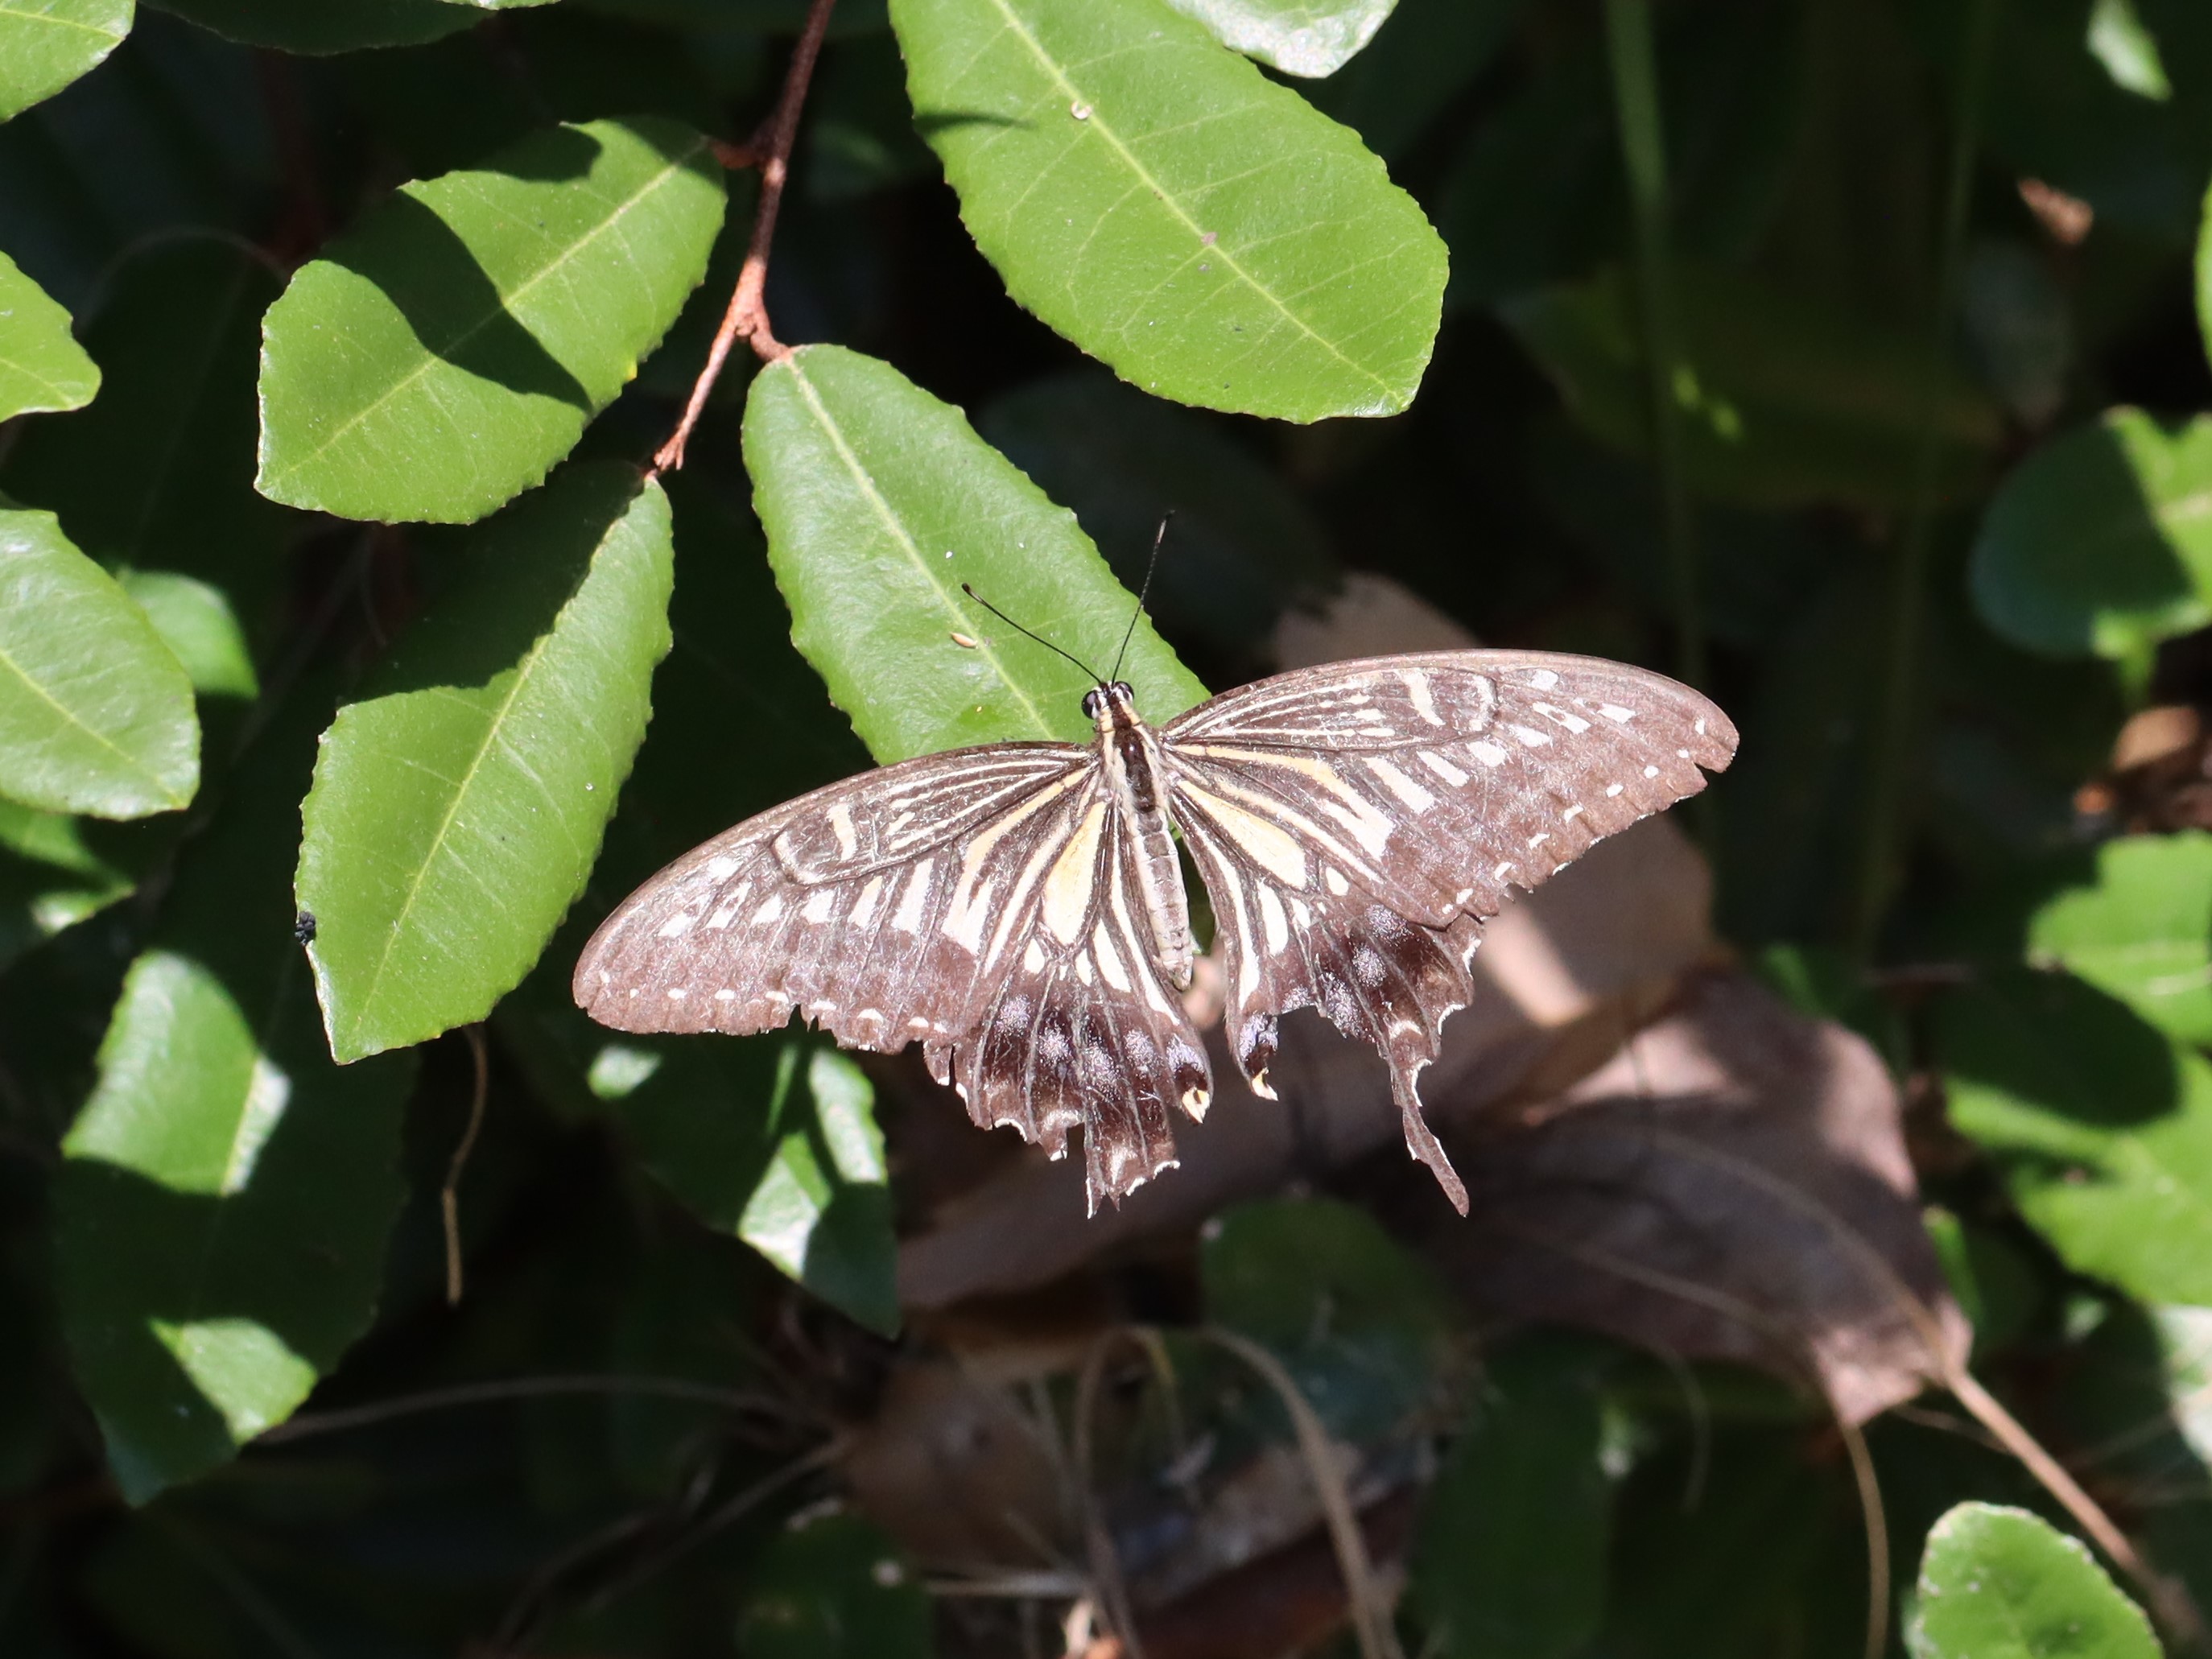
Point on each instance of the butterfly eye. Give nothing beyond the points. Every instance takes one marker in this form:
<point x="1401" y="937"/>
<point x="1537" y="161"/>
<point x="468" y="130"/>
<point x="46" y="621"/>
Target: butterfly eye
<point x="1090" y="705"/>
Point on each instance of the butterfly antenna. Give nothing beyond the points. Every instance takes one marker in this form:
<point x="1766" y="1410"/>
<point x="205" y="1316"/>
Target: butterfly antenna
<point x="1144" y="592"/>
<point x="1030" y="633"/>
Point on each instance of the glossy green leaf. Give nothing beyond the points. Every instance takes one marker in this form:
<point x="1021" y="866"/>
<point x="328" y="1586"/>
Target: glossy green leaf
<point x="458" y="806"/>
<point x="2129" y="51"/>
<point x="44" y="45"/>
<point x="41" y="365"/>
<point x="834" y="1588"/>
<point x="1784" y="402"/>
<point x="1366" y="1327"/>
<point x="2101" y="1126"/>
<point x="156" y="480"/>
<point x="95" y="712"/>
<point x="2003" y="1584"/>
<point x="1160" y="203"/>
<point x="879" y="501"/>
<point x="221" y="1211"/>
<point x="446" y="352"/>
<point x="324" y="25"/>
<point x="1241" y="547"/>
<point x="2143" y="932"/>
<point x="821" y="1211"/>
<point x="1509" y="1556"/>
<point x="54" y="872"/>
<point x="1312" y="38"/>
<point x="2101" y="540"/>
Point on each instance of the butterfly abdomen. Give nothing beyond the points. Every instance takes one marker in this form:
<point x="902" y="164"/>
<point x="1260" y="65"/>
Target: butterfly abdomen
<point x="1130" y="756"/>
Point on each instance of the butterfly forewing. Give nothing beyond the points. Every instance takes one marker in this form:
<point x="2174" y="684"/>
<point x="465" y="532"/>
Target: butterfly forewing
<point x="1355" y="821"/>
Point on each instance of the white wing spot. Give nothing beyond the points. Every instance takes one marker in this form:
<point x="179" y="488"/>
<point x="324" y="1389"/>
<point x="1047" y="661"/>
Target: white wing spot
<point x="1574" y="723"/>
<point x="864" y="910"/>
<point x="1299" y="913"/>
<point x="1543" y="679"/>
<point x="1616" y="713"/>
<point x="840" y="825"/>
<point x="720" y="867"/>
<point x="1414" y="797"/>
<point x="1033" y="958"/>
<point x="1612" y="789"/>
<point x="1681" y="754"/>
<point x="818" y="905"/>
<point x="1488" y="753"/>
<point x="1651" y="771"/>
<point x="678" y="993"/>
<point x="1572" y="813"/>
<point x="908" y="918"/>
<point x="1111" y="964"/>
<point x="1463" y="896"/>
<point x="1337" y="884"/>
<point x="1443" y="767"/>
<point x="1271" y="918"/>
<point x="1502" y="871"/>
<point x="1083" y="968"/>
<point x="1538" y="839"/>
<point x="771" y="911"/>
<point x="678" y="925"/>
<point x="1699" y="728"/>
<point x="1425" y="703"/>
<point x="964" y="922"/>
<point x="1530" y="736"/>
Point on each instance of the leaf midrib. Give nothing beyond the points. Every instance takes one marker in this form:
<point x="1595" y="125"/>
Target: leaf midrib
<point x="503" y="308"/>
<point x="49" y="19"/>
<point x="892" y="522"/>
<point x="1105" y="130"/>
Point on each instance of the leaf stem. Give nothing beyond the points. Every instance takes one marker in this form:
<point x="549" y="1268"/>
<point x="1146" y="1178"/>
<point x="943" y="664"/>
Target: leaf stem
<point x="1888" y="759"/>
<point x="449" y="1197"/>
<point x="747" y="316"/>
<point x="1644" y="155"/>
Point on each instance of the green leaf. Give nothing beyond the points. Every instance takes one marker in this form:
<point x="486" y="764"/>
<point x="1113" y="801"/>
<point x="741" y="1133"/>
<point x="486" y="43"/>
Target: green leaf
<point x="2101" y="540"/>
<point x="54" y="874"/>
<point x="44" y="45"/>
<point x="1366" y="1329"/>
<point x="1312" y="38"/>
<point x="156" y="479"/>
<point x="1241" y="549"/>
<point x="221" y="1209"/>
<point x="1785" y="402"/>
<point x="458" y="806"/>
<point x="1206" y="233"/>
<point x="879" y="501"/>
<point x="2129" y="51"/>
<point x="41" y="365"/>
<point x="834" y="1588"/>
<point x="2101" y="1126"/>
<point x="2003" y="1583"/>
<point x="96" y="713"/>
<point x="2143" y="932"/>
<point x="324" y="25"/>
<point x="445" y="353"/>
<point x="821" y="1211"/>
<point x="1510" y="1555"/>
<point x="195" y="621"/>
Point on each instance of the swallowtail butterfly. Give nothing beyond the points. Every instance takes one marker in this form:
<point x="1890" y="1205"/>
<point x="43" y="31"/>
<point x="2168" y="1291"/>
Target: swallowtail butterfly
<point x="1018" y="909"/>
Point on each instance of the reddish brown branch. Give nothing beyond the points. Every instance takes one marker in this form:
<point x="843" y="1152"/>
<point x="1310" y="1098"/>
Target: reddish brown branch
<point x="747" y="317"/>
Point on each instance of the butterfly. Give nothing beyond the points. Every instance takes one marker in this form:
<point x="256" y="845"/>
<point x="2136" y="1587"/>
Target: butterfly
<point x="1018" y="909"/>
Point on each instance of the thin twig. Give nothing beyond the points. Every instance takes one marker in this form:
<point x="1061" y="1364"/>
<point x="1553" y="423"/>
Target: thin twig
<point x="1370" y="1620"/>
<point x="449" y="1199"/>
<point x="1644" y="155"/>
<point x="747" y="317"/>
<point x="1908" y="600"/>
<point x="525" y="1387"/>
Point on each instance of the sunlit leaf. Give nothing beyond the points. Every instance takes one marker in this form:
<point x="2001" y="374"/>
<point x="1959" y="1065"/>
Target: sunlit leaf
<point x="879" y="501"/>
<point x="1161" y="204"/>
<point x="44" y="45"/>
<point x="821" y="1211"/>
<point x="834" y="1588"/>
<point x="2143" y="932"/>
<point x="2003" y="1584"/>
<point x="156" y="480"/>
<point x="41" y="365"/>
<point x="324" y="25"/>
<point x="221" y="1211"/>
<point x="1510" y="1554"/>
<point x="1783" y="402"/>
<point x="2101" y="540"/>
<point x="2100" y="1125"/>
<point x="445" y="353"/>
<point x="53" y="874"/>
<point x="459" y="803"/>
<point x="1312" y="38"/>
<point x="95" y="712"/>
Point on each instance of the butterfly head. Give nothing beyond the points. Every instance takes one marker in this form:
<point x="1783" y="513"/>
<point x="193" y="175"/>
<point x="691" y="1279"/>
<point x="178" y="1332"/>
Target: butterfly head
<point x="1110" y="704"/>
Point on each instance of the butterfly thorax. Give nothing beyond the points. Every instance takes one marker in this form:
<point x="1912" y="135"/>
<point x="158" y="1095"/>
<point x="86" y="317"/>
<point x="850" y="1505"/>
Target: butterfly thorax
<point x="1136" y="776"/>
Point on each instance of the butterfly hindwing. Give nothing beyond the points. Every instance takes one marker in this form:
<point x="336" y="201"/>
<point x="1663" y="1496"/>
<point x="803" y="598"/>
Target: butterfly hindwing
<point x="1353" y="822"/>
